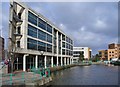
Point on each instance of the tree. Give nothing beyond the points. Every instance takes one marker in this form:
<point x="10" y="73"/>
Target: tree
<point x="81" y="56"/>
<point x="96" y="58"/>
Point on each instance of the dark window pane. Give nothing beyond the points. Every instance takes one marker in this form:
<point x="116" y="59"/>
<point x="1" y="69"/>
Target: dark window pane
<point x="41" y="24"/>
<point x="41" y="46"/>
<point x="49" y="48"/>
<point x="32" y="31"/>
<point x="63" y="51"/>
<point x="32" y="18"/>
<point x="32" y="44"/>
<point x="41" y="35"/>
<point x="18" y="43"/>
<point x="49" y="28"/>
<point x="49" y="38"/>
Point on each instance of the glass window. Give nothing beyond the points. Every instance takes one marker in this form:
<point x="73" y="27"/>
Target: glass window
<point x="49" y="38"/>
<point x="41" y="46"/>
<point x="67" y="46"/>
<point x="67" y="52"/>
<point x="63" y="37"/>
<point x="63" y="51"/>
<point x="63" y="44"/>
<point x="19" y="30"/>
<point x="32" y="31"/>
<point x="49" y="48"/>
<point x="41" y="24"/>
<point x="49" y="28"/>
<point x="18" y="43"/>
<point x="32" y="18"/>
<point x="67" y="39"/>
<point x="31" y="44"/>
<point x="41" y="35"/>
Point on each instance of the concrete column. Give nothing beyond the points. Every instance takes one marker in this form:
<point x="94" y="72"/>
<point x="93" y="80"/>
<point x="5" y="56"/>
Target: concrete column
<point x="61" y="61"/>
<point x="70" y="60"/>
<point x="67" y="61"/>
<point x="17" y="63"/>
<point x="57" y="61"/>
<point x="24" y="63"/>
<point x="45" y="61"/>
<point x="36" y="61"/>
<point x="61" y="52"/>
<point x="57" y="47"/>
<point x="52" y="61"/>
<point x="64" y="61"/>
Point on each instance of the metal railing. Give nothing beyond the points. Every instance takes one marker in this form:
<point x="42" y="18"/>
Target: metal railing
<point x="22" y="77"/>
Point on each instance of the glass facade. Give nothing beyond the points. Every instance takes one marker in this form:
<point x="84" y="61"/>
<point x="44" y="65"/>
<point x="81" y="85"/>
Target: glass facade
<point x="46" y="35"/>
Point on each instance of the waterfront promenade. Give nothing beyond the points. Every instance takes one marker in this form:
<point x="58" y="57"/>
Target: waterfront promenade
<point x="25" y="78"/>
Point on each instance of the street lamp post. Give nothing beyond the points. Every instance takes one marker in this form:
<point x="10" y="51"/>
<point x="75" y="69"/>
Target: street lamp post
<point x="42" y="53"/>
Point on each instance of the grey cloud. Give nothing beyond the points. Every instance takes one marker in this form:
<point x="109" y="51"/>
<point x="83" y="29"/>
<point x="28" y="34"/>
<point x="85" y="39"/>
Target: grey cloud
<point x="85" y="15"/>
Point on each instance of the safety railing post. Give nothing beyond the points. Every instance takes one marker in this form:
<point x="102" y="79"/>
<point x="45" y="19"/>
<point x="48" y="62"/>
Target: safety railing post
<point x="40" y="74"/>
<point x="23" y="76"/>
<point x="48" y="72"/>
<point x="11" y="79"/>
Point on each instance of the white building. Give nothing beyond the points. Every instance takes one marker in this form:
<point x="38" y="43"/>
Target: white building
<point x="76" y="53"/>
<point x="34" y="41"/>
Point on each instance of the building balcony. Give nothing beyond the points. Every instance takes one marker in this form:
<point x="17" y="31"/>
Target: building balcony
<point x="17" y="19"/>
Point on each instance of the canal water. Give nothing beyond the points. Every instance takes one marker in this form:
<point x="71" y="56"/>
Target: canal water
<point x="87" y="75"/>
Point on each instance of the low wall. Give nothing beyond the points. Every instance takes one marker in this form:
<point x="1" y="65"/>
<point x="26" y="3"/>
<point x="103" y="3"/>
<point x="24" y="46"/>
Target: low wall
<point x="46" y="80"/>
<point x="57" y="68"/>
<point x="97" y="63"/>
<point x="39" y="83"/>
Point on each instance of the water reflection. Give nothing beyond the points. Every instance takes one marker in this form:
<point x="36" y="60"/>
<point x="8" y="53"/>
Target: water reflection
<point x="87" y="75"/>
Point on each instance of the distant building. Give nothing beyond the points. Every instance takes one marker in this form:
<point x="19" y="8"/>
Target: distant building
<point x="1" y="48"/>
<point x="113" y="51"/>
<point x="76" y="53"/>
<point x="103" y="54"/>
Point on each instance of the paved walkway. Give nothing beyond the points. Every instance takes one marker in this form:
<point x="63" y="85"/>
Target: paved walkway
<point x="20" y="77"/>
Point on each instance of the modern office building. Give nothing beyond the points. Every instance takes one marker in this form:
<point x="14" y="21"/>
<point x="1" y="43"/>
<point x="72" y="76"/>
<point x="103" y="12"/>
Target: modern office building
<point x="113" y="51"/>
<point x="103" y="55"/>
<point x="1" y="48"/>
<point x="34" y="41"/>
<point x="86" y="51"/>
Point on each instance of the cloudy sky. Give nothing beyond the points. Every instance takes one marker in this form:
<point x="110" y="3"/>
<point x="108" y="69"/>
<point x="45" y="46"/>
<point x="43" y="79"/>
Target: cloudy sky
<point x="90" y="24"/>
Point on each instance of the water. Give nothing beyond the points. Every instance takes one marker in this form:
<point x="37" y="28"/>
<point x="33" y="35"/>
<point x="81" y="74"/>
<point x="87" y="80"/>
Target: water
<point x="87" y="75"/>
